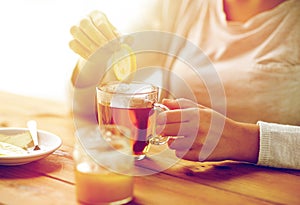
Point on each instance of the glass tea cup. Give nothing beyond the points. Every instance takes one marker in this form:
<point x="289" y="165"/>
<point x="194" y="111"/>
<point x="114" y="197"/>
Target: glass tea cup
<point x="134" y="106"/>
<point x="102" y="168"/>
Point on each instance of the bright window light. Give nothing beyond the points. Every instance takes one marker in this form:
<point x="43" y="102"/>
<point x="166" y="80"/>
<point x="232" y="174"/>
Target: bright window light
<point x="35" y="56"/>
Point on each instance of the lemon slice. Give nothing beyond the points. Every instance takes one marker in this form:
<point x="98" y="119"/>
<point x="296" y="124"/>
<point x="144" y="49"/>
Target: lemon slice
<point x="7" y="149"/>
<point x="124" y="62"/>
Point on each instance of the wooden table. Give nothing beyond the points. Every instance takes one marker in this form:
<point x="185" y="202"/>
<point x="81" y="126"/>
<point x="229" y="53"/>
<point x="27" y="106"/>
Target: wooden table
<point x="51" y="180"/>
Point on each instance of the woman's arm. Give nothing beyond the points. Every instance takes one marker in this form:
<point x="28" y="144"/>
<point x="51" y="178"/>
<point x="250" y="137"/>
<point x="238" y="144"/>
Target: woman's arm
<point x="266" y="144"/>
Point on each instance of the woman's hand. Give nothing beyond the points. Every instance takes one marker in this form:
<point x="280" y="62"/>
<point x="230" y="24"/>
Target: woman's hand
<point x="201" y="140"/>
<point x="92" y="33"/>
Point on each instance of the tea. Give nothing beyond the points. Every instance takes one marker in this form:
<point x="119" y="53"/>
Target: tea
<point x="137" y="119"/>
<point x="130" y="109"/>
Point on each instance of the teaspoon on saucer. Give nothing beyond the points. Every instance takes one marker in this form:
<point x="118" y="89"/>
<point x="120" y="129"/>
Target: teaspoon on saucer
<point x="32" y="126"/>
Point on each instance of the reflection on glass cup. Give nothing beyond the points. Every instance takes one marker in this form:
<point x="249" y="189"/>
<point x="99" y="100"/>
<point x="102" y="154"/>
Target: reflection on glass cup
<point x="102" y="169"/>
<point x="134" y="106"/>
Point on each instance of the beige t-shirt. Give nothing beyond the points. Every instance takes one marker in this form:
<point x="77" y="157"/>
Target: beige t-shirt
<point x="257" y="62"/>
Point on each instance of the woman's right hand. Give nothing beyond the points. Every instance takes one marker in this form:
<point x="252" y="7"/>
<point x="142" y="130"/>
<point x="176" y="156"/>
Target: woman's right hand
<point x="92" y="33"/>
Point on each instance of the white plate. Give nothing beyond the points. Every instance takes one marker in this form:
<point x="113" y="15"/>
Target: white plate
<point x="48" y="143"/>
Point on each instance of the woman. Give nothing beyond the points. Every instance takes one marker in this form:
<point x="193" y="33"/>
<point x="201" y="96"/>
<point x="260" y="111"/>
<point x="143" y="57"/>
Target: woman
<point x="254" y="48"/>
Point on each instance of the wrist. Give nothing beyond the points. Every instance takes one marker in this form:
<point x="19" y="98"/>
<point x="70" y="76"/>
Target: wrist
<point x="248" y="135"/>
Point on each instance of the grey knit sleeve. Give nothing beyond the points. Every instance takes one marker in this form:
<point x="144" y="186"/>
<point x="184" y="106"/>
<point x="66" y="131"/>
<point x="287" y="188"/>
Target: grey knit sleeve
<point x="279" y="145"/>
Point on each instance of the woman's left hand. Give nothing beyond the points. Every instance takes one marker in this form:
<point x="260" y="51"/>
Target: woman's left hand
<point x="203" y="141"/>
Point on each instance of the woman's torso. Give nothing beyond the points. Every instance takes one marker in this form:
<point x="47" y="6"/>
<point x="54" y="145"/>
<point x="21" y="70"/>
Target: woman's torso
<point x="256" y="62"/>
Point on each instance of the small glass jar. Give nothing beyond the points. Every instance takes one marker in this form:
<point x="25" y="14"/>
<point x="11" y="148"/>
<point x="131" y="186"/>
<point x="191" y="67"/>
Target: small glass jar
<point x="102" y="168"/>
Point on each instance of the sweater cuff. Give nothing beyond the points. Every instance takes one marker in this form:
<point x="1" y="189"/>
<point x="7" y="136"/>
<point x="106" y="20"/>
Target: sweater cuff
<point x="264" y="143"/>
<point x="279" y="145"/>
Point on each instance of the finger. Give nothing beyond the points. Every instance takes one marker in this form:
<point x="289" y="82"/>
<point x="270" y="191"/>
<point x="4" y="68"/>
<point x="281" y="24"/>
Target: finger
<point x="79" y="49"/>
<point x="92" y="32"/>
<point x="102" y="24"/>
<point x="84" y="40"/>
<point x="191" y="155"/>
<point x="180" y="144"/>
<point x="177" y="116"/>
<point x="177" y="129"/>
<point x="180" y="103"/>
<point x="172" y="116"/>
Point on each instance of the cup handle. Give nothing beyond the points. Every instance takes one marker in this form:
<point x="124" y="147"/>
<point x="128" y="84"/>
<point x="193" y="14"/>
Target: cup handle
<point x="158" y="139"/>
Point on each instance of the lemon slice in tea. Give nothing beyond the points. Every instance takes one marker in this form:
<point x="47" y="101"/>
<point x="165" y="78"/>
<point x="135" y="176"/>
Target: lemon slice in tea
<point x="7" y="149"/>
<point x="124" y="62"/>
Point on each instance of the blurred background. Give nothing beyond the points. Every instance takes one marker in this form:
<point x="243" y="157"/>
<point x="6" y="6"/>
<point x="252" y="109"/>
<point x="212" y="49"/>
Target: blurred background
<point x="35" y="57"/>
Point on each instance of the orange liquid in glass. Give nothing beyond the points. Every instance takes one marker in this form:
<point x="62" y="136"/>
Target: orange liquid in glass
<point x="97" y="188"/>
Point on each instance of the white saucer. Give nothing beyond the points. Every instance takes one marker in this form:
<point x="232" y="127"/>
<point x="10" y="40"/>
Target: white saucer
<point x="48" y="143"/>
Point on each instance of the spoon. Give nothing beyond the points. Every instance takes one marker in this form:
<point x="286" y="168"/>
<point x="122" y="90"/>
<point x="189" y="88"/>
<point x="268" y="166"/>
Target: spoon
<point x="32" y="126"/>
